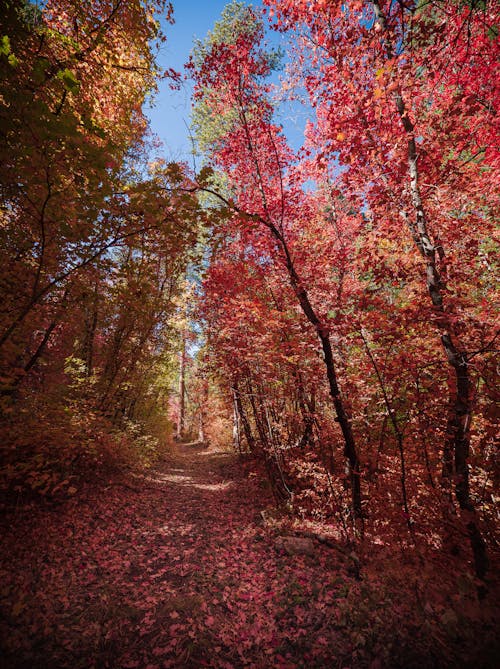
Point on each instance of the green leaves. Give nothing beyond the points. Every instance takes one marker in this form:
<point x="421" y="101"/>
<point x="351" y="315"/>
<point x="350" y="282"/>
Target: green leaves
<point x="5" y="46"/>
<point x="69" y="80"/>
<point x="5" y="50"/>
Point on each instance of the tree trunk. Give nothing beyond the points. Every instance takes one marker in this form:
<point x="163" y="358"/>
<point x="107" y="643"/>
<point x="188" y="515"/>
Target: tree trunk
<point x="182" y="390"/>
<point x="244" y="419"/>
<point x="259" y="423"/>
<point x="202" y="434"/>
<point x="236" y="424"/>
<point x="350" y="450"/>
<point x="91" y="314"/>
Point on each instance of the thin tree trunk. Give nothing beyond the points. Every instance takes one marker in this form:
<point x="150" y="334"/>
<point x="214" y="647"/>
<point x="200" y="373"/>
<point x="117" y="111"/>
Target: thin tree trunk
<point x="350" y="450"/>
<point x="182" y="389"/>
<point x="259" y="424"/>
<point x="201" y="429"/>
<point x="202" y="434"/>
<point x="91" y="315"/>
<point x="35" y="356"/>
<point x="41" y="347"/>
<point x="244" y="419"/>
<point x="236" y="423"/>
<point x="306" y="412"/>
<point x="112" y="365"/>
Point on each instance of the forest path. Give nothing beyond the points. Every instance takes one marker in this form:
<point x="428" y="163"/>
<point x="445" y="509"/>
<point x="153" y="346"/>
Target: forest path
<point x="173" y="568"/>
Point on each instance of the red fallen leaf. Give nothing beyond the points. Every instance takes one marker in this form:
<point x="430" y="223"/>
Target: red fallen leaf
<point x="174" y="628"/>
<point x="159" y="651"/>
<point x="209" y="621"/>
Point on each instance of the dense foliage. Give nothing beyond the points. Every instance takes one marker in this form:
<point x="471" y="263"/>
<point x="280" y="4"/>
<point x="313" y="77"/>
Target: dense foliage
<point x="94" y="245"/>
<point x="349" y="295"/>
<point x="327" y="312"/>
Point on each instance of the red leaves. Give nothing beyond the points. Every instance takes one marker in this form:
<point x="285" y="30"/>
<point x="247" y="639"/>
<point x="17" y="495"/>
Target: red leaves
<point x="131" y="607"/>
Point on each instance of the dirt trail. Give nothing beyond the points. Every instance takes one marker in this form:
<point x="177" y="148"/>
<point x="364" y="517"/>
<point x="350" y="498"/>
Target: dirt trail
<point x="175" y="568"/>
<point x="172" y="569"/>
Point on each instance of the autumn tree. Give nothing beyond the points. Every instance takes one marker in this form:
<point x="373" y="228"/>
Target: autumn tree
<point x="251" y="152"/>
<point x="405" y="97"/>
<point x="65" y="132"/>
<point x="93" y="242"/>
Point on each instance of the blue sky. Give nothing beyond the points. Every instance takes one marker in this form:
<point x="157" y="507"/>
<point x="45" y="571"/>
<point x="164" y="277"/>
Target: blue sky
<point x="170" y="114"/>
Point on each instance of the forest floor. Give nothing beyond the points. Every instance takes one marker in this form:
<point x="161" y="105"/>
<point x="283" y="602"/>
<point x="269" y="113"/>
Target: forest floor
<point x="177" y="568"/>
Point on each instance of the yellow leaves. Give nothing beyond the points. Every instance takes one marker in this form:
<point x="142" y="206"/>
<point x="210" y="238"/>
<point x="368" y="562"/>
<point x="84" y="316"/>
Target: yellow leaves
<point x="5" y="45"/>
<point x="386" y="68"/>
<point x="386" y="81"/>
<point x="5" y="50"/>
<point x="340" y="136"/>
